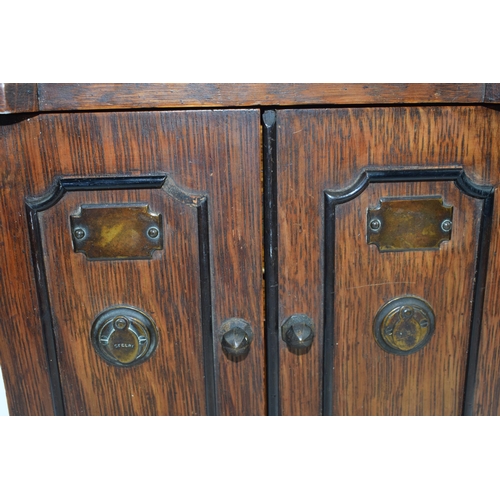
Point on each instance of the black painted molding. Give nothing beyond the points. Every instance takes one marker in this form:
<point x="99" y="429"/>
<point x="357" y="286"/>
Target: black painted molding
<point x="271" y="262"/>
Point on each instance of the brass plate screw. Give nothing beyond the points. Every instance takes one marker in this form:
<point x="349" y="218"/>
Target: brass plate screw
<point x="375" y="225"/>
<point x="446" y="225"/>
<point x="79" y="234"/>
<point x="153" y="232"/>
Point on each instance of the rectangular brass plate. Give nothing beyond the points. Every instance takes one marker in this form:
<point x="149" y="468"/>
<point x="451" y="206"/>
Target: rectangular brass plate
<point x="127" y="231"/>
<point x="400" y="224"/>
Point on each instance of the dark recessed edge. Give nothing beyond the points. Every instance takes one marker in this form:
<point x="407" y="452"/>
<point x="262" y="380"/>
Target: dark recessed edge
<point x="65" y="184"/>
<point x="45" y="310"/>
<point x="271" y="261"/>
<point x="329" y="294"/>
<point x="206" y="307"/>
<point x="484" y="239"/>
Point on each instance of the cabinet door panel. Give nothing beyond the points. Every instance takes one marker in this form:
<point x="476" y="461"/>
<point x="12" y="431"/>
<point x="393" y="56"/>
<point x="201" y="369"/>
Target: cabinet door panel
<point x="167" y="287"/>
<point x="210" y="155"/>
<point x="367" y="380"/>
<point x="328" y="271"/>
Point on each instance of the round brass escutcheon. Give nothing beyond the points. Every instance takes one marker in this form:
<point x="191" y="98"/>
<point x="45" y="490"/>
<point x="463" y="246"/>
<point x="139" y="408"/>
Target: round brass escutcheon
<point x="404" y="325"/>
<point x="124" y="336"/>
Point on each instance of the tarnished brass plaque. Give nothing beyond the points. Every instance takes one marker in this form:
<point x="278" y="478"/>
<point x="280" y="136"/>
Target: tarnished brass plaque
<point x="400" y="224"/>
<point x="127" y="231"/>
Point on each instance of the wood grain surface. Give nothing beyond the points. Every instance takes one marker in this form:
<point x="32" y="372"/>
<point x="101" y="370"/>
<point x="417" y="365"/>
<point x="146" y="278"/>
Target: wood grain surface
<point x="214" y="152"/>
<point x="32" y="97"/>
<point x="492" y="93"/>
<point x="18" y="98"/>
<point x="22" y="351"/>
<point x="328" y="149"/>
<point x="55" y="97"/>
<point x="487" y="394"/>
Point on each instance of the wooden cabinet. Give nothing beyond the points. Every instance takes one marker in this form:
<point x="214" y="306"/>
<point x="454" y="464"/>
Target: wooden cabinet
<point x="250" y="261"/>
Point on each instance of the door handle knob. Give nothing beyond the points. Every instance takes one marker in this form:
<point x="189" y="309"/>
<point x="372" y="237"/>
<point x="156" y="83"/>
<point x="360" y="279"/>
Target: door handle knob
<point x="298" y="331"/>
<point x="236" y="336"/>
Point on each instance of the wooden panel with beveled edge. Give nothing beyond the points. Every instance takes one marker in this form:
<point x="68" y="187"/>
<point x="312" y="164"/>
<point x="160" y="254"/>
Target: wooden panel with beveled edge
<point x="366" y="379"/>
<point x="211" y="152"/>
<point x="166" y="287"/>
<point x="325" y="149"/>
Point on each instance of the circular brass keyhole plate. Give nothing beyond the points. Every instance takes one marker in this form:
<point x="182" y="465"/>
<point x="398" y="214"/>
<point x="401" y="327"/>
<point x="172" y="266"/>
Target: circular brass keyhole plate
<point x="404" y="325"/>
<point x="124" y="336"/>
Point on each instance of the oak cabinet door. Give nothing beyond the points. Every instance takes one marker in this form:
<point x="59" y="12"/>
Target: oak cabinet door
<point x="145" y="233"/>
<point x="387" y="237"/>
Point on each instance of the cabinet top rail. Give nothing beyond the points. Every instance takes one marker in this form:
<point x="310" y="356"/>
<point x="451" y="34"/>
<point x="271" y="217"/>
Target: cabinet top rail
<point x="49" y="97"/>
